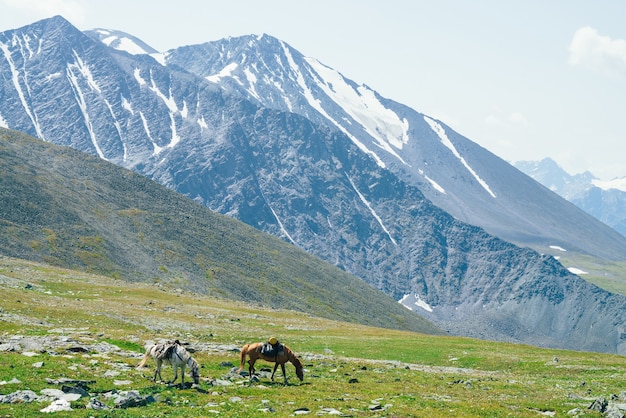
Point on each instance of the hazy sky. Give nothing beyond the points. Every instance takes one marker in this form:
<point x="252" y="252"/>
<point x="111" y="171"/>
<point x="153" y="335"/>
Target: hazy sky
<point x="525" y="79"/>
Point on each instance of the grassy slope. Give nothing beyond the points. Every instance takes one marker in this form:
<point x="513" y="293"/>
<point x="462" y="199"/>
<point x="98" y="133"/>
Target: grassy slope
<point x="411" y="374"/>
<point x="607" y="274"/>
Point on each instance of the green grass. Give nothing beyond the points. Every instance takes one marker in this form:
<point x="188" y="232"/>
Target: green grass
<point x="348" y="367"/>
<point x="609" y="275"/>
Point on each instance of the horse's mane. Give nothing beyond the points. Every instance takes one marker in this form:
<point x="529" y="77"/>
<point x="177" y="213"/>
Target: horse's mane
<point x="291" y="356"/>
<point x="191" y="362"/>
<point x="295" y="360"/>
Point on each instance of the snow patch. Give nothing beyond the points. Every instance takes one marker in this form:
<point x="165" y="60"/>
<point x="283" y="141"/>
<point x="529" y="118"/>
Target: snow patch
<point x="617" y="184"/>
<point x="280" y="224"/>
<point x="15" y="76"/>
<point x="556" y="247"/>
<point x="137" y="74"/>
<point x="3" y="122"/>
<point x="85" y="72"/>
<point x="169" y="101"/>
<point x="175" y="138"/>
<point x="576" y="271"/>
<point x="52" y="76"/>
<point x="225" y="72"/>
<point x="157" y="149"/>
<point x="278" y="86"/>
<point x="203" y="123"/>
<point x="388" y="130"/>
<point x="380" y="221"/>
<point x="26" y="45"/>
<point x="413" y="299"/>
<point x="124" y="44"/>
<point x="433" y="183"/>
<point x="160" y="57"/>
<point x="315" y="104"/>
<point x="252" y="80"/>
<point x="126" y="105"/>
<point x="438" y="129"/>
<point x="80" y="98"/>
<point x="117" y="125"/>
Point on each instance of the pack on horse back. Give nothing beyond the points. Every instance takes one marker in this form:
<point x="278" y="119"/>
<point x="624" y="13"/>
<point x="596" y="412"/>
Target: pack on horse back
<point x="166" y="350"/>
<point x="273" y="348"/>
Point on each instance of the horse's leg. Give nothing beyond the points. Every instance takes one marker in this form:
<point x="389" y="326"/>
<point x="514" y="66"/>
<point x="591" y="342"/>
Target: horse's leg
<point x="157" y="370"/>
<point x="274" y="371"/>
<point x="282" y="366"/>
<point x="251" y="368"/>
<point x="175" y="374"/>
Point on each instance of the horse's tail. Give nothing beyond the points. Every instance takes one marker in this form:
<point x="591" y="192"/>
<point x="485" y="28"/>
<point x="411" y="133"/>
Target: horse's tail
<point x="244" y="352"/>
<point x="144" y="359"/>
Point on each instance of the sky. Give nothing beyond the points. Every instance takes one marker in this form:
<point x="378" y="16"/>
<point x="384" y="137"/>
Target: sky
<point x="525" y="79"/>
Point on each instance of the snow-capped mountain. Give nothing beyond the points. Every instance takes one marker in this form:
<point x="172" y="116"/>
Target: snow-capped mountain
<point x="251" y="128"/>
<point x="456" y="174"/>
<point x="603" y="199"/>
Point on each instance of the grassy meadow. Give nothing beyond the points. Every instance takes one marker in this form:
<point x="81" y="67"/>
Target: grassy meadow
<point x="350" y="370"/>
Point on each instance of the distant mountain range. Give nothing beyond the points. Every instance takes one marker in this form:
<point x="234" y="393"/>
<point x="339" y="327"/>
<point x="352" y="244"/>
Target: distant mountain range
<point x="252" y="129"/>
<point x="605" y="200"/>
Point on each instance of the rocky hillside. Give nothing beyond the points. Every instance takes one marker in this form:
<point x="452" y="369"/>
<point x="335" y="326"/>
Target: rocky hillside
<point x="69" y="209"/>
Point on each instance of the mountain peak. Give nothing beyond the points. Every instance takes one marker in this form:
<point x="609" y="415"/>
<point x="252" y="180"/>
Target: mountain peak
<point x="121" y="41"/>
<point x="549" y="173"/>
<point x="49" y="26"/>
<point x="55" y="20"/>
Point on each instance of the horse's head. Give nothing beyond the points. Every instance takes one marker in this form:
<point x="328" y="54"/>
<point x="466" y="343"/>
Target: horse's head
<point x="195" y="372"/>
<point x="299" y="367"/>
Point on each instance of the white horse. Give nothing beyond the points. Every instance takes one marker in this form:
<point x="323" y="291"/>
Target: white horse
<point x="174" y="354"/>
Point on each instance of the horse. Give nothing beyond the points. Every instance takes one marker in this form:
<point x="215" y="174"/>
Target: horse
<point x="174" y="354"/>
<point x="255" y="352"/>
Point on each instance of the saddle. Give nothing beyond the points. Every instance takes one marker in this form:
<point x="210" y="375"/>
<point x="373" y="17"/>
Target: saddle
<point x="165" y="350"/>
<point x="272" y="350"/>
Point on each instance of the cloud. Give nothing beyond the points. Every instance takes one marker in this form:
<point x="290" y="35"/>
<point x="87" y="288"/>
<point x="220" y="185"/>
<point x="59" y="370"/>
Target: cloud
<point x="598" y="53"/>
<point x="518" y="118"/>
<point x="74" y="11"/>
<point x="511" y="120"/>
<point x="493" y="120"/>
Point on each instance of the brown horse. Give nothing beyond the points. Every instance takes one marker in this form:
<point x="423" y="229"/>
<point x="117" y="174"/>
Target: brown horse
<point x="253" y="351"/>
